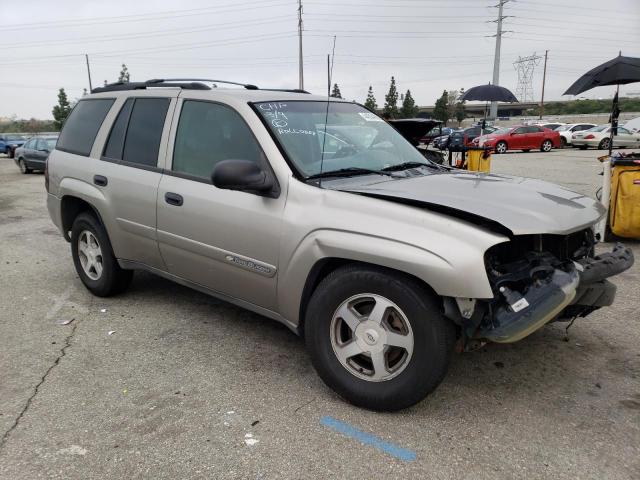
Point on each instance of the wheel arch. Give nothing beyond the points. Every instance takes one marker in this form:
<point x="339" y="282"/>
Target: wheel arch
<point x="325" y="266"/>
<point x="72" y="206"/>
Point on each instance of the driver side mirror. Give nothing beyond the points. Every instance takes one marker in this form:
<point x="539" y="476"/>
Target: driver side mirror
<point x="243" y="176"/>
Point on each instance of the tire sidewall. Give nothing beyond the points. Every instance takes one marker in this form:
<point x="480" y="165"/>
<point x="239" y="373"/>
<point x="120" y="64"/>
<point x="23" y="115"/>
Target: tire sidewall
<point x="431" y="343"/>
<point x="102" y="285"/>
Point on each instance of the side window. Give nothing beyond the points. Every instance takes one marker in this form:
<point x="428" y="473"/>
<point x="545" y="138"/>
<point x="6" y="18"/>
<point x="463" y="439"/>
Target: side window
<point x="115" y="145"/>
<point x="82" y="126"/>
<point x="142" y="143"/>
<point x="209" y="133"/>
<point x="520" y="130"/>
<point x="533" y="130"/>
<point x="41" y="144"/>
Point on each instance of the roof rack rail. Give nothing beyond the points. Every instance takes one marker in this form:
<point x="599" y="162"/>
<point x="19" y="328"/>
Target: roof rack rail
<point x="184" y="83"/>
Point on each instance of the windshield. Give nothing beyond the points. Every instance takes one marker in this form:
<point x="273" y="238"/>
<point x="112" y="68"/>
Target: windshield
<point x="355" y="137"/>
<point x="564" y="128"/>
<point x="501" y="131"/>
<point x="599" y="128"/>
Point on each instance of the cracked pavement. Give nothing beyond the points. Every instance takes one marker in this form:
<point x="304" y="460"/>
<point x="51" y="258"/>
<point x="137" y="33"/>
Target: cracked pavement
<point x="174" y="391"/>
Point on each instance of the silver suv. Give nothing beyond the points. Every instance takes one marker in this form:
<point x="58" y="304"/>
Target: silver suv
<point x="320" y="215"/>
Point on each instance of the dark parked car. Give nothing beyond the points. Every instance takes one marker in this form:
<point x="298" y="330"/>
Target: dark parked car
<point x="9" y="142"/>
<point x="468" y="134"/>
<point x="34" y="153"/>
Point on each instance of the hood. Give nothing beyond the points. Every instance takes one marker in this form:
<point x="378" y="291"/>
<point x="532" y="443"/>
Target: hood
<point x="522" y="205"/>
<point x="413" y="129"/>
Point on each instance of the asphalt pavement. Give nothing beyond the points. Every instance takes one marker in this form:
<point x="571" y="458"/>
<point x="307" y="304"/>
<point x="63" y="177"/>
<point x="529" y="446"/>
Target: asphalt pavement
<point x="165" y="382"/>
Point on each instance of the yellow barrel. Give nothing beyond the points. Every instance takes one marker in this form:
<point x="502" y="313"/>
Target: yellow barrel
<point x="478" y="160"/>
<point x="624" y="209"/>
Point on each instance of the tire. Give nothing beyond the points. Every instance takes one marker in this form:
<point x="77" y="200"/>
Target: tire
<point x="416" y="373"/>
<point x="546" y="146"/>
<point x="11" y="153"/>
<point x="23" y="166"/>
<point x="563" y="142"/>
<point x="604" y="144"/>
<point x="111" y="279"/>
<point x="501" y="147"/>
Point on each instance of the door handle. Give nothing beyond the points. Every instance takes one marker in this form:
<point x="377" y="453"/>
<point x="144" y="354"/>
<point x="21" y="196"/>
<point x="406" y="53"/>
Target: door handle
<point x="100" y="180"/>
<point x="173" y="199"/>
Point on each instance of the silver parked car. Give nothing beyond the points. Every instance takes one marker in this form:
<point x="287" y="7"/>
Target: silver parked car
<point x="320" y="215"/>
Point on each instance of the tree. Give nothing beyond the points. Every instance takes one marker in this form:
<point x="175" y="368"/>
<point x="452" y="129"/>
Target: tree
<point x="335" y="93"/>
<point x="61" y="110"/>
<point x="440" y="110"/>
<point x="124" y="74"/>
<point x="370" y="102"/>
<point x="452" y="103"/>
<point x="409" y="108"/>
<point x="460" y="114"/>
<point x="391" y="101"/>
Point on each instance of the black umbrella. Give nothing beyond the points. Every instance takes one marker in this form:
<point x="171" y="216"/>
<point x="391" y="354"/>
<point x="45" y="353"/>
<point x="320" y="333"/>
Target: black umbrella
<point x="489" y="93"/>
<point x="619" y="71"/>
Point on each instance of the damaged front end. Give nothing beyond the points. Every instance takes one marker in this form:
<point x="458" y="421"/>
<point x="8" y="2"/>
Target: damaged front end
<point x="537" y="279"/>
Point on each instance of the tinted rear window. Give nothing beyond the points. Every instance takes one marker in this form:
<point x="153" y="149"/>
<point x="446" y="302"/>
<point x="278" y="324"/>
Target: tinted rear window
<point x="115" y="144"/>
<point x="145" y="130"/>
<point x="82" y="126"/>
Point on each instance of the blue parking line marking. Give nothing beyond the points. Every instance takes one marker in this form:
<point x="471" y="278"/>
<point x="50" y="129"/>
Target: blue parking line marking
<point x="368" y="439"/>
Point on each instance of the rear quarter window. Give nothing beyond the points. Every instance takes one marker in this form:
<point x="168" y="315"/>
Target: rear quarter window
<point x="82" y="126"/>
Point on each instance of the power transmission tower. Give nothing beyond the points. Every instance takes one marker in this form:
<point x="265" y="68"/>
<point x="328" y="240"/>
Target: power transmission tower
<point x="493" y="112"/>
<point x="525" y="66"/>
<point x="300" y="68"/>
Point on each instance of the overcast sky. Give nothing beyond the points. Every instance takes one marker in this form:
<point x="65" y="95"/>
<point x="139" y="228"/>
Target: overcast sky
<point x="428" y="45"/>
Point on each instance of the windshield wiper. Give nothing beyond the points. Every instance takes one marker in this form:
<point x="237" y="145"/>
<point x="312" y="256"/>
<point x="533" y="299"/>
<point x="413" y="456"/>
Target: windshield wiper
<point x="349" y="172"/>
<point x="404" y="166"/>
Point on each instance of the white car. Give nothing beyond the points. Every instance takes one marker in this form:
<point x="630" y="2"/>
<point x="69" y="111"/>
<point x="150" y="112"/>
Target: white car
<point x="599" y="137"/>
<point x="566" y="131"/>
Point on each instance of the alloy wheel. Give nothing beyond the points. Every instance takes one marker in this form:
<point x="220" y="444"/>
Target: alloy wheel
<point x="371" y="337"/>
<point x="90" y="255"/>
<point x="546" y="146"/>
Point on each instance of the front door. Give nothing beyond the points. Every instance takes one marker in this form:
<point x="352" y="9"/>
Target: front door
<point x="227" y="241"/>
<point x="518" y="139"/>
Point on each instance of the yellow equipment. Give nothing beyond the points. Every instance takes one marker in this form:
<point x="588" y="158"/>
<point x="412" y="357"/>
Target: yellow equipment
<point x="479" y="160"/>
<point x="624" y="207"/>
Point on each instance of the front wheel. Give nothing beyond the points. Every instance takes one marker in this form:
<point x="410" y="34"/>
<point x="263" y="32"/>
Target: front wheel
<point x="22" y="165"/>
<point x="501" y="147"/>
<point x="546" y="146"/>
<point x="94" y="260"/>
<point x="377" y="337"/>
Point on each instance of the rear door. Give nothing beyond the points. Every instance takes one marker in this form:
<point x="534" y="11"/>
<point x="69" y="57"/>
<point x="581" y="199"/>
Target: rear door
<point x="227" y="241"/>
<point x="38" y="155"/>
<point x="128" y="173"/>
<point x="535" y="137"/>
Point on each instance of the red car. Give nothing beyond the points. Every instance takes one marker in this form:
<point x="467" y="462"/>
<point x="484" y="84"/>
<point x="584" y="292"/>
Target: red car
<point x="521" y="137"/>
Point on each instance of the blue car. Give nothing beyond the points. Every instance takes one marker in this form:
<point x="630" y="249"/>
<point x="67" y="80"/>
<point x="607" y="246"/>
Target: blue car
<point x="9" y="142"/>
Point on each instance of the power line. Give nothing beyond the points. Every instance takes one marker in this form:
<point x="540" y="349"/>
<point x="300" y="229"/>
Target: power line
<point x="150" y="16"/>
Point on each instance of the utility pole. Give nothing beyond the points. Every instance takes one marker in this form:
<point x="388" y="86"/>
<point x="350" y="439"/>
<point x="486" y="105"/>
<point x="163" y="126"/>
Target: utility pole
<point x="86" y="57"/>
<point x="544" y="79"/>
<point x="493" y="112"/>
<point x="300" y="68"/>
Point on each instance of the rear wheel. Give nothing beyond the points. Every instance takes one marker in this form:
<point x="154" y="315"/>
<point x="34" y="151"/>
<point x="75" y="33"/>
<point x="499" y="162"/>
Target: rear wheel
<point x="23" y="166"/>
<point x="604" y="144"/>
<point x="94" y="259"/>
<point x="546" y="146"/>
<point x="377" y="337"/>
<point x="501" y="147"/>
